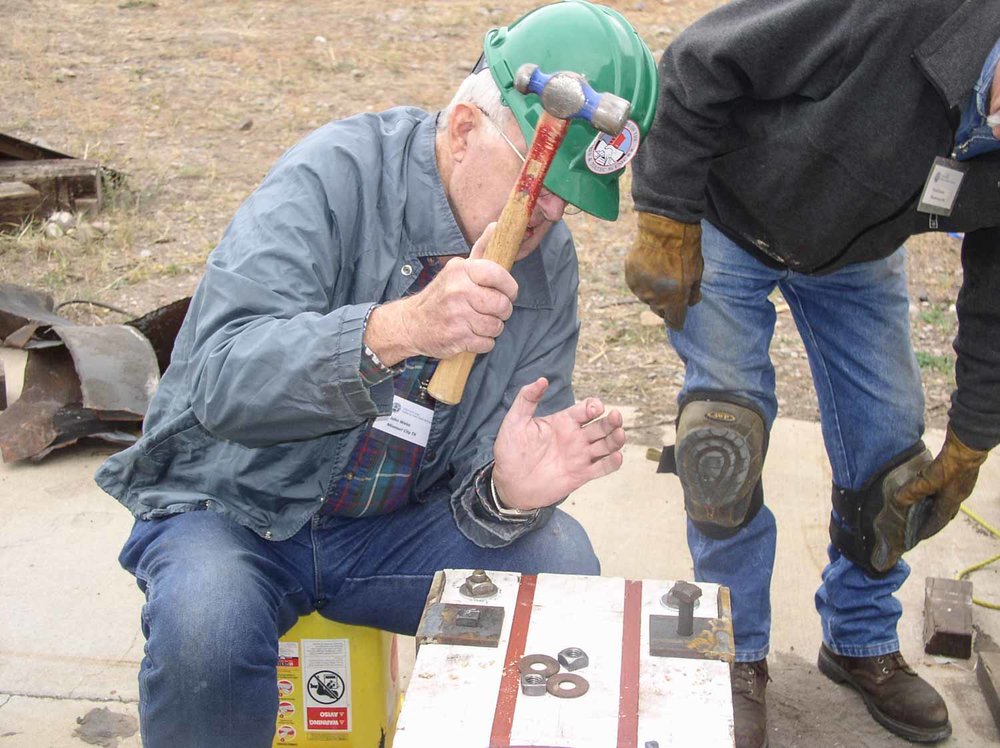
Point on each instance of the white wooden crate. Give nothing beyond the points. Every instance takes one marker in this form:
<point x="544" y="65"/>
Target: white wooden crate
<point x="464" y="696"/>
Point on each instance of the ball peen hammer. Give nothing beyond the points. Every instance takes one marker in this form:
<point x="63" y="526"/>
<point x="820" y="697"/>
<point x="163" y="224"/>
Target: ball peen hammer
<point x="564" y="96"/>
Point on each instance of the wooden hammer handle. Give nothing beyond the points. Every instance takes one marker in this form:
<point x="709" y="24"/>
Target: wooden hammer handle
<point x="448" y="382"/>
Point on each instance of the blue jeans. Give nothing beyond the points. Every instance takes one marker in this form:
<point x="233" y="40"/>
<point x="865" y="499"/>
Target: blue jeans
<point x="855" y="327"/>
<point x="218" y="596"/>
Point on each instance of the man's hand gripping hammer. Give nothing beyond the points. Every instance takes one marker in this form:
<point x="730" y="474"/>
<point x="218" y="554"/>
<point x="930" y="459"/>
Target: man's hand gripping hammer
<point x="564" y="96"/>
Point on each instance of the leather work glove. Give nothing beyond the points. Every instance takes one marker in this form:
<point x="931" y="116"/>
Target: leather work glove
<point x="664" y="266"/>
<point x="948" y="479"/>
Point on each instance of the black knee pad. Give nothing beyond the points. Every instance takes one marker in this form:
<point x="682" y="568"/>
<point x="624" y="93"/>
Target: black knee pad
<point x="719" y="454"/>
<point x="855" y="536"/>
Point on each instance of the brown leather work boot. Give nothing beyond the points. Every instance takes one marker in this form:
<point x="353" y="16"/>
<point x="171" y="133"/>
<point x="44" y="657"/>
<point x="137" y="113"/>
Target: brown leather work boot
<point x="899" y="699"/>
<point x="749" y="708"/>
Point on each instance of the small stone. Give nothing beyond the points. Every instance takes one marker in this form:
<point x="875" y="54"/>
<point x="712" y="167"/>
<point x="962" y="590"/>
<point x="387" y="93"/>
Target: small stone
<point x="246" y="124"/>
<point x="63" y="219"/>
<point x="320" y="40"/>
<point x="53" y="230"/>
<point x="146" y="253"/>
<point x="357" y="74"/>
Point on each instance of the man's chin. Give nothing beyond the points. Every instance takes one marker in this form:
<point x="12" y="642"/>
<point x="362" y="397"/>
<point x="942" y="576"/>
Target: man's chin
<point x="532" y="239"/>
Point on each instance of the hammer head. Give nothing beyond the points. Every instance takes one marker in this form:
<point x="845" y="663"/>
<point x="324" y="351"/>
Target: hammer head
<point x="567" y="95"/>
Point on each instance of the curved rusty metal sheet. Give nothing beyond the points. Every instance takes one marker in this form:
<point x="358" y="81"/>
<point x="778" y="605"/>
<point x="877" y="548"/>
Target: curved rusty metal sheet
<point x="116" y="366"/>
<point x="22" y="309"/>
<point x="161" y="326"/>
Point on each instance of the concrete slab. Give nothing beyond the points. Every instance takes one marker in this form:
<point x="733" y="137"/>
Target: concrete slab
<point x="70" y="640"/>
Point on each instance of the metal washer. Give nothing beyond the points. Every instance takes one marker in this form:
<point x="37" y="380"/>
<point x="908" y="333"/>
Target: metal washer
<point x="554" y="685"/>
<point x="549" y="665"/>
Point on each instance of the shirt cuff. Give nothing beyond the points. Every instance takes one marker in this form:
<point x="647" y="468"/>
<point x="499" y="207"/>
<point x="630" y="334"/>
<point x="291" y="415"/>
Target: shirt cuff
<point x="371" y="369"/>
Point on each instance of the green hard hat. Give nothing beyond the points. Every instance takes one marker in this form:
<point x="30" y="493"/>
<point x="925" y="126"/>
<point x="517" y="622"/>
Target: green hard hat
<point x="598" y="43"/>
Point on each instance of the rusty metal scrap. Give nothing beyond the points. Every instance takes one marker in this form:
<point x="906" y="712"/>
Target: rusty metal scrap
<point x="161" y="326"/>
<point x="80" y="380"/>
<point x="98" y="384"/>
<point x="22" y="312"/>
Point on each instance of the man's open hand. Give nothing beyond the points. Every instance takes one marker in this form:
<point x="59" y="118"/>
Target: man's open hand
<point x="541" y="460"/>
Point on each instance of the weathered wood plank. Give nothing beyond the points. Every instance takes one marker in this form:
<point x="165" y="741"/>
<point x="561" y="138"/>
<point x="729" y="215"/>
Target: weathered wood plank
<point x="948" y="617"/>
<point x="18" y="201"/>
<point x="15" y="148"/>
<point x="60" y="181"/>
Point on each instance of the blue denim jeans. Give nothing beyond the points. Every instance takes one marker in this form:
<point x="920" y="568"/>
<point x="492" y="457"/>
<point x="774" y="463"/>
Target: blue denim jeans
<point x="218" y="596"/>
<point x="855" y="326"/>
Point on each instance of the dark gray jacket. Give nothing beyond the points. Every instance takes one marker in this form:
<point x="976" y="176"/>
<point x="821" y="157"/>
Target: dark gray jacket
<point x="805" y="129"/>
<point x="263" y="401"/>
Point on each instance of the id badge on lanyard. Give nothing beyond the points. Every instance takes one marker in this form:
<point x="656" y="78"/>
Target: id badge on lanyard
<point x="941" y="188"/>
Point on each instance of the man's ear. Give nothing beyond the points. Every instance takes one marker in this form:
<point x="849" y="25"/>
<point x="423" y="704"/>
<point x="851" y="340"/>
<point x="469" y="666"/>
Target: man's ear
<point x="461" y="123"/>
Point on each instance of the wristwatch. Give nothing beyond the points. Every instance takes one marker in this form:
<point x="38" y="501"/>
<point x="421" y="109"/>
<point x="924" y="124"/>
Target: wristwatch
<point x="508" y="512"/>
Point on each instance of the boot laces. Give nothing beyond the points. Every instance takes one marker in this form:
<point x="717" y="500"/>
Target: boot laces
<point x="746" y="675"/>
<point x="890" y="662"/>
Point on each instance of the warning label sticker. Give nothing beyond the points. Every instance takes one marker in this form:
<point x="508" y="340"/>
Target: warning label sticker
<point x="326" y="672"/>
<point x="288" y="654"/>
<point x="286" y="734"/>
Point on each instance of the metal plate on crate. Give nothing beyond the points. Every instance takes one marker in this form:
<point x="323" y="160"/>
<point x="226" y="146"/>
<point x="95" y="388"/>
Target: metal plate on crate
<point x="469" y="625"/>
<point x="712" y="639"/>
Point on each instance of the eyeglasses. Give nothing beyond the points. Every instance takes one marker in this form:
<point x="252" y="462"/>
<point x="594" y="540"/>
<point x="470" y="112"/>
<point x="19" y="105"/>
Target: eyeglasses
<point x="569" y="210"/>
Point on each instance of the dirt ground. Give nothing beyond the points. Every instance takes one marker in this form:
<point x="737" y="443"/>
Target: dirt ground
<point x="194" y="101"/>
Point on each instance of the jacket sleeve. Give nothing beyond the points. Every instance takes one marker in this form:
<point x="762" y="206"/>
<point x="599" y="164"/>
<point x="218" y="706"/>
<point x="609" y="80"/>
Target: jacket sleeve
<point x="975" y="403"/>
<point x="272" y="358"/>
<point x="761" y="50"/>
<point x="551" y="353"/>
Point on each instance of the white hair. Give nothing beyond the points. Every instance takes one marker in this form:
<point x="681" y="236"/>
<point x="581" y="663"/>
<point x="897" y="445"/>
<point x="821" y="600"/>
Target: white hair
<point x="479" y="90"/>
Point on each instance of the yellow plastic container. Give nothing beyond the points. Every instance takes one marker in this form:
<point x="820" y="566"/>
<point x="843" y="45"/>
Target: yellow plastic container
<point x="338" y="686"/>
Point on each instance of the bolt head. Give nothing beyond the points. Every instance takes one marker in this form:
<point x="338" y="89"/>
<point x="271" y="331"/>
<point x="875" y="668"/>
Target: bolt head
<point x="685" y="593"/>
<point x="478" y="584"/>
<point x="573" y="658"/>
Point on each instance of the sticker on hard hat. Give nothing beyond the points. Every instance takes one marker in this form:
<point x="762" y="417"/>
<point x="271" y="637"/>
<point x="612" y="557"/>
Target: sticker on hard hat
<point x="609" y="153"/>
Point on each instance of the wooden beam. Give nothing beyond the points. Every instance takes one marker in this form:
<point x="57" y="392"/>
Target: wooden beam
<point x="948" y="617"/>
<point x="59" y="181"/>
<point x="22" y="150"/>
<point x="18" y="201"/>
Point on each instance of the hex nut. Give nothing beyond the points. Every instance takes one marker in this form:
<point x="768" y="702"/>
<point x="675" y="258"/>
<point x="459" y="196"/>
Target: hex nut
<point x="478" y="584"/>
<point x="533" y="684"/>
<point x="573" y="658"/>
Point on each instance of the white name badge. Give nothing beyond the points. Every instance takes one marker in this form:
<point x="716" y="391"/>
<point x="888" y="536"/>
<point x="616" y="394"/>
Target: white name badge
<point x="407" y="421"/>
<point x="941" y="188"/>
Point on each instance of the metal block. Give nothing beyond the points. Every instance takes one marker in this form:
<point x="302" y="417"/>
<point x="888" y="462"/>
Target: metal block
<point x="948" y="617"/>
<point x="470" y="625"/>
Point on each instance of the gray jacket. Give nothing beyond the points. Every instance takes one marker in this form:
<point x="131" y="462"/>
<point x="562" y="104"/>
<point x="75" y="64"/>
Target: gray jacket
<point x="805" y="129"/>
<point x="263" y="401"/>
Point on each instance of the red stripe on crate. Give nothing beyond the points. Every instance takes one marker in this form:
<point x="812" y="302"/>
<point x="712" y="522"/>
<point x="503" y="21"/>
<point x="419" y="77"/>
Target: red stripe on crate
<point x="628" y="693"/>
<point x="510" y="681"/>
